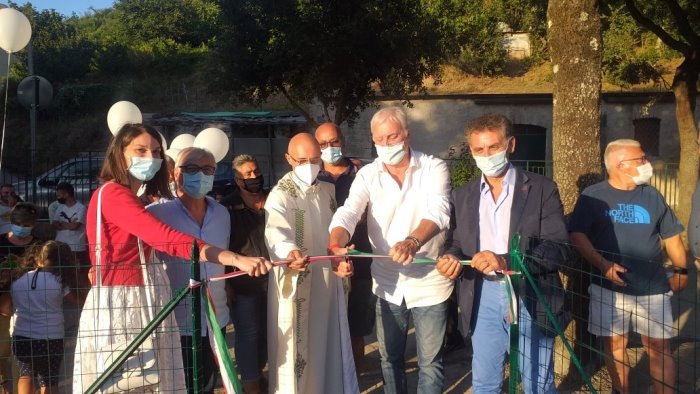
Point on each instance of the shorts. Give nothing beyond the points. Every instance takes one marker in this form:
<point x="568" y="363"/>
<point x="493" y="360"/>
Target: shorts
<point x="361" y="307"/>
<point x="40" y="358"/>
<point x="611" y="314"/>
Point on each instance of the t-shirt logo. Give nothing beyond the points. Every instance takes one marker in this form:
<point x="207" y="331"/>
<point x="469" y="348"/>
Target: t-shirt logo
<point x="629" y="214"/>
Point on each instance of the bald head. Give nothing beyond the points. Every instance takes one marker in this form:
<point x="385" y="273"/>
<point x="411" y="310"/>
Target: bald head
<point x="303" y="148"/>
<point x="329" y="134"/>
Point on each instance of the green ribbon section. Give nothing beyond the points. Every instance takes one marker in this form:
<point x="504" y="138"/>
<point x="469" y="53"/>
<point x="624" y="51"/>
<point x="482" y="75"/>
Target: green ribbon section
<point x="416" y="260"/>
<point x="220" y="341"/>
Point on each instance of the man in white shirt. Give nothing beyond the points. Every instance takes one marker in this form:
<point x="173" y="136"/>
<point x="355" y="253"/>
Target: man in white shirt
<point x="8" y="199"/>
<point x="406" y="194"/>
<point x="69" y="222"/>
<point x="196" y="214"/>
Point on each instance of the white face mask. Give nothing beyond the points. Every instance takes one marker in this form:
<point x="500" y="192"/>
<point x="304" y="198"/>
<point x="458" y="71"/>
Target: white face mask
<point x="646" y="171"/>
<point x="391" y="154"/>
<point x="492" y="165"/>
<point x="307" y="172"/>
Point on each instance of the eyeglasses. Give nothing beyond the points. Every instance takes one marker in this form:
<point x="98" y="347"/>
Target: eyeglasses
<point x="193" y="169"/>
<point x="637" y="160"/>
<point x="301" y="162"/>
<point x="326" y="144"/>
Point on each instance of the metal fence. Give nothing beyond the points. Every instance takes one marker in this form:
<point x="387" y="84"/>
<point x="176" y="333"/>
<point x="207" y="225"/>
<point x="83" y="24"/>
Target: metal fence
<point x="580" y="358"/>
<point x="665" y="177"/>
<point x="71" y="360"/>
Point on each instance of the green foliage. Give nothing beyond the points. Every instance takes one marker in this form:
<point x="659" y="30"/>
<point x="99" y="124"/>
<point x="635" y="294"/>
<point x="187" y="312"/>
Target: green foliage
<point x="60" y="54"/>
<point x="476" y="39"/>
<point x="190" y="22"/>
<point x="462" y="166"/>
<point x="337" y="52"/>
<point x="631" y="55"/>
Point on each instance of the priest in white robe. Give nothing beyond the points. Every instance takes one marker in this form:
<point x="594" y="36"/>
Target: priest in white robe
<point x="309" y="347"/>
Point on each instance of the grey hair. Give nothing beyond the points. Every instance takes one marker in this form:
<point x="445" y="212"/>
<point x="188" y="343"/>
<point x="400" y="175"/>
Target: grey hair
<point x="193" y="153"/>
<point x="239" y="160"/>
<point x="396" y="114"/>
<point x="616" y="145"/>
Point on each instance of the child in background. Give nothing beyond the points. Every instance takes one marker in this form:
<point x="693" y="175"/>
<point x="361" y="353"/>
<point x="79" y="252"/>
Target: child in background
<point x="37" y="324"/>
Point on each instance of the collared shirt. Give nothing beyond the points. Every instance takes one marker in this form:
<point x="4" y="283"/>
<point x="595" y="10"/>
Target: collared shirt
<point x="361" y="267"/>
<point x="494" y="216"/>
<point x="392" y="213"/>
<point x="215" y="231"/>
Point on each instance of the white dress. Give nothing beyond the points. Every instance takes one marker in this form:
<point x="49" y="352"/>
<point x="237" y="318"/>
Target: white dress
<point x="309" y="347"/>
<point x="114" y="313"/>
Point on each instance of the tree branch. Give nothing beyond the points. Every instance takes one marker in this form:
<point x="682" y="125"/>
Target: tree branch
<point x="309" y="119"/>
<point x="656" y="29"/>
<point x="681" y="18"/>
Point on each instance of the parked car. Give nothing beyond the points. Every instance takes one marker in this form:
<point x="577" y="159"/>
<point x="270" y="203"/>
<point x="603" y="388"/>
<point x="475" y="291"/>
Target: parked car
<point x="81" y="172"/>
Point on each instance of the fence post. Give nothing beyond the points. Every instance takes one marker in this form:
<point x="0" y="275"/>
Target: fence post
<point x="195" y="298"/>
<point x="516" y="259"/>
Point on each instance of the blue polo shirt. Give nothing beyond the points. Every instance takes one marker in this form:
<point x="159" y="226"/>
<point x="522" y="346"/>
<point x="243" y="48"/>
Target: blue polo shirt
<point x="215" y="231"/>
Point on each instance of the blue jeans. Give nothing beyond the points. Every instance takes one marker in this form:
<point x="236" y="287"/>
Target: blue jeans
<point x="248" y="315"/>
<point x="491" y="340"/>
<point x="392" y="330"/>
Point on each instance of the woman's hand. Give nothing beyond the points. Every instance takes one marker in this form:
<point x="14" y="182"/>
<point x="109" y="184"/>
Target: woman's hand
<point x="253" y="266"/>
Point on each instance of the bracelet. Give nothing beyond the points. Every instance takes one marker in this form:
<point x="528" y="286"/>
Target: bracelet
<point x="680" y="271"/>
<point x="415" y="241"/>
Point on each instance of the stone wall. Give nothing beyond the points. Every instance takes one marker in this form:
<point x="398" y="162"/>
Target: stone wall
<point x="436" y="123"/>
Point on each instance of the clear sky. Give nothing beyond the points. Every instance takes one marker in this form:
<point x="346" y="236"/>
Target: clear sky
<point x="68" y="7"/>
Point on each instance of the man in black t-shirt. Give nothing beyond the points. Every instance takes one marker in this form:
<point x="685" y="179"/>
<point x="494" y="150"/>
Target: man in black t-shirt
<point x="247" y="294"/>
<point x="617" y="226"/>
<point x="340" y="171"/>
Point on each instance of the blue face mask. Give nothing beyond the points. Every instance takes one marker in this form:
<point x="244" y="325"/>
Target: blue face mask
<point x="332" y="154"/>
<point x="144" y="168"/>
<point x="21" y="232"/>
<point x="197" y="185"/>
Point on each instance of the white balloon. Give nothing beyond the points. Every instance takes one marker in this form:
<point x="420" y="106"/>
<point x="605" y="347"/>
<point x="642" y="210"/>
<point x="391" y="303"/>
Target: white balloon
<point x="213" y="140"/>
<point x="173" y="153"/>
<point x="15" y="30"/>
<point x="182" y="141"/>
<point x="163" y="142"/>
<point x="121" y="113"/>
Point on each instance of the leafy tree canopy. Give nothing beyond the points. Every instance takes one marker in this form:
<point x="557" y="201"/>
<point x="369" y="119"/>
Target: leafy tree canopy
<point x="336" y="52"/>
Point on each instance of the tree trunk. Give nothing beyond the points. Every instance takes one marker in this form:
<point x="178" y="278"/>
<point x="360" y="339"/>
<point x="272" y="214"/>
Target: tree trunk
<point x="574" y="34"/>
<point x="575" y="47"/>
<point x="685" y="90"/>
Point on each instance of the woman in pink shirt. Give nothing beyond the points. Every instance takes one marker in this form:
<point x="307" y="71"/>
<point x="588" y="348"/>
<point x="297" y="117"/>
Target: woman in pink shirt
<point x="117" y="308"/>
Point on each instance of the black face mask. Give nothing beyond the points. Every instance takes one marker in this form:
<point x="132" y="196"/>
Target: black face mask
<point x="61" y="200"/>
<point x="253" y="185"/>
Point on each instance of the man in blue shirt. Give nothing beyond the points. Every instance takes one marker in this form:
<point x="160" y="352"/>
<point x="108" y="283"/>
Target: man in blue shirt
<point x="196" y="214"/>
<point x="486" y="213"/>
<point x="617" y="226"/>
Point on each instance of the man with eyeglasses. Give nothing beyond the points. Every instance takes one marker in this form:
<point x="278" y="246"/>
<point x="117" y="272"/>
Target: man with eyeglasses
<point x="196" y="214"/>
<point x="308" y="337"/>
<point x="340" y="170"/>
<point x="618" y="226"/>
